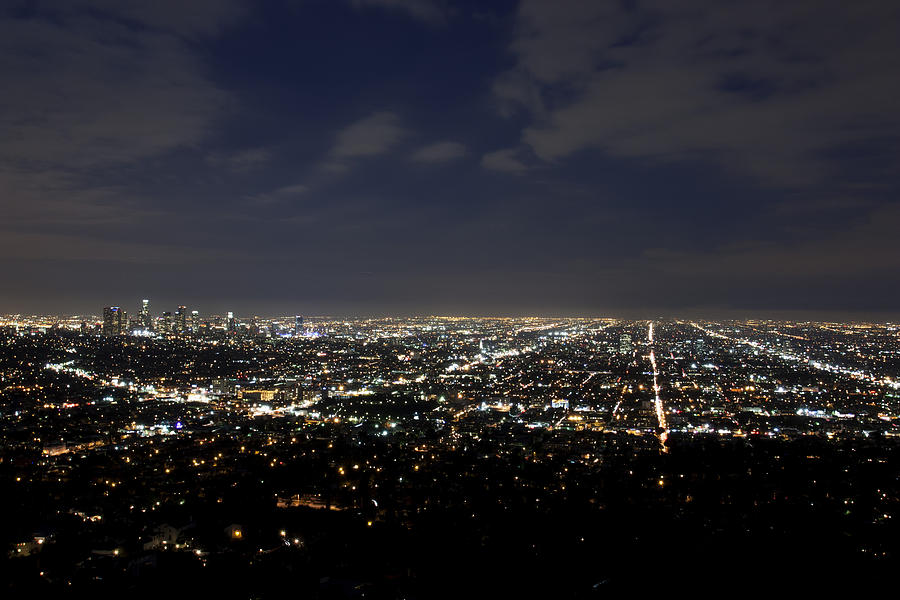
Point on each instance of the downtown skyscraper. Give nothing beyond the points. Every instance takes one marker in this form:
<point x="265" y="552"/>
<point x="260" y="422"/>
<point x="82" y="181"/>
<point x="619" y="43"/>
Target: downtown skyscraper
<point x="115" y="321"/>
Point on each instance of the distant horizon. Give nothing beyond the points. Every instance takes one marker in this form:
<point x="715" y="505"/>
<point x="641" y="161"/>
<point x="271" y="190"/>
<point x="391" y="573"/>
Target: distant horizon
<point x="712" y="315"/>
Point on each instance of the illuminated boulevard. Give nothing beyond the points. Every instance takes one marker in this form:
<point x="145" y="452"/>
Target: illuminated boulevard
<point x="658" y="403"/>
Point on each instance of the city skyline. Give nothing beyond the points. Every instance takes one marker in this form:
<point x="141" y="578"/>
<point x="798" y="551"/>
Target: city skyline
<point x="425" y="299"/>
<point x="799" y="315"/>
<point x="231" y="459"/>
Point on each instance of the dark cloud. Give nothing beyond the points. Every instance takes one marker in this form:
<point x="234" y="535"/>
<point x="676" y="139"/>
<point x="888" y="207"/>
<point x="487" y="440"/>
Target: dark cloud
<point x="375" y="134"/>
<point x="505" y="160"/>
<point x="283" y="193"/>
<point x="195" y="18"/>
<point x="434" y="12"/>
<point x="242" y="160"/>
<point x="761" y="87"/>
<point x="92" y="92"/>
<point x="98" y="86"/>
<point x="439" y="152"/>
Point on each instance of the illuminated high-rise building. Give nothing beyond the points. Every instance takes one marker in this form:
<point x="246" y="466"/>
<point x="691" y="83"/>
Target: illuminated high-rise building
<point x="229" y="321"/>
<point x="298" y="325"/>
<point x="625" y="347"/>
<point x="115" y="321"/>
<point x="195" y="321"/>
<point x="146" y="323"/>
<point x="181" y="319"/>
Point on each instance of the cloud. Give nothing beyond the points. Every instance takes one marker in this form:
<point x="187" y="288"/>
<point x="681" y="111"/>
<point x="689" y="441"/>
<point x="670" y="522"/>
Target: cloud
<point x="503" y="160"/>
<point x="281" y="194"/>
<point x="26" y="246"/>
<point x="439" y="152"/>
<point x="87" y="97"/>
<point x="847" y="269"/>
<point x="429" y="11"/>
<point x="765" y="89"/>
<point x="62" y="199"/>
<point x="376" y="134"/>
<point x="332" y="167"/>
<point x="516" y="90"/>
<point x="101" y="89"/>
<point x="241" y="161"/>
<point x="197" y="18"/>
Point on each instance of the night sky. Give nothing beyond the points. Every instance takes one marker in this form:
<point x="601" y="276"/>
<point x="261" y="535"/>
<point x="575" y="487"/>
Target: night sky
<point x="426" y="157"/>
